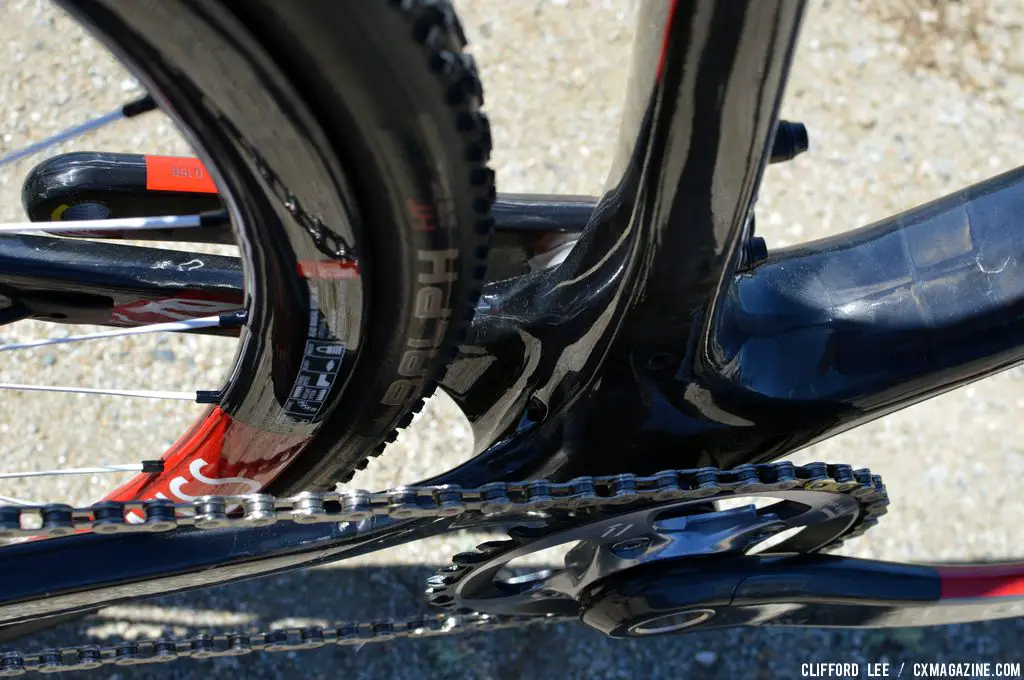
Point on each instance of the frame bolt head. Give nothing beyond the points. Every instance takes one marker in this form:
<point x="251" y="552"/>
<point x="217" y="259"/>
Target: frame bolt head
<point x="631" y="548"/>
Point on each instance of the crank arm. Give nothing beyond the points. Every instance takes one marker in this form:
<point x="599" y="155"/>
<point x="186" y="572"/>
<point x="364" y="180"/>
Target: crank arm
<point x="807" y="591"/>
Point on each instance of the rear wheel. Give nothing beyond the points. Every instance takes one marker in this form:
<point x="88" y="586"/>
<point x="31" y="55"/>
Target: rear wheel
<point x="349" y="145"/>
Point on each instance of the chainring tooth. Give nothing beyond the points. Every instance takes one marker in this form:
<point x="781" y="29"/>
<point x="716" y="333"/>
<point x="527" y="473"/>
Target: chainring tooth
<point x="445" y="578"/>
<point x="494" y="547"/>
<point x="523" y="535"/>
<point x="441" y="599"/>
<point x="468" y="559"/>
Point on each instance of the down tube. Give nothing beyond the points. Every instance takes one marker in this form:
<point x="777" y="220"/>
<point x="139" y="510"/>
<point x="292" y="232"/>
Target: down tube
<point x="828" y="335"/>
<point x="831" y="334"/>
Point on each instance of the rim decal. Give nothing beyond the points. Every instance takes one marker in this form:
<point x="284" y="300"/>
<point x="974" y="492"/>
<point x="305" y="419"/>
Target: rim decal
<point x="217" y="456"/>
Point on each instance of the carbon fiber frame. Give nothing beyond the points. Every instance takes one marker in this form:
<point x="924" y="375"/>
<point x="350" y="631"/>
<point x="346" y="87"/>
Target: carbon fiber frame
<point x="656" y="344"/>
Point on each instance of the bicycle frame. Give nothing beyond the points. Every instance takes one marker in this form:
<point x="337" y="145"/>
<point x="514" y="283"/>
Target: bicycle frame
<point x="659" y="342"/>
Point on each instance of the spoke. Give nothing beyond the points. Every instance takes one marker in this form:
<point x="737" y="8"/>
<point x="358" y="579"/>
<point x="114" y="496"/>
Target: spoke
<point x="129" y="110"/>
<point x="147" y="394"/>
<point x="224" y="320"/>
<point x="212" y="219"/>
<point x="97" y="469"/>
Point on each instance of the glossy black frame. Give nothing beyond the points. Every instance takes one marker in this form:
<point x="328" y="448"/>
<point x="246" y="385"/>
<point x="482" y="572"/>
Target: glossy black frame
<point x="659" y="342"/>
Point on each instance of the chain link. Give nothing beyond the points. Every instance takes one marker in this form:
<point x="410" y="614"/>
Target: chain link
<point x="207" y="646"/>
<point x="259" y="510"/>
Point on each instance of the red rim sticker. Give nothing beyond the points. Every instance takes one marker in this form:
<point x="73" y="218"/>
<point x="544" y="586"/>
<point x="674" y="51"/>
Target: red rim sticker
<point x="173" y="173"/>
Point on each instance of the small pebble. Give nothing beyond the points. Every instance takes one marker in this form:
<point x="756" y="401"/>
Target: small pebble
<point x="163" y="355"/>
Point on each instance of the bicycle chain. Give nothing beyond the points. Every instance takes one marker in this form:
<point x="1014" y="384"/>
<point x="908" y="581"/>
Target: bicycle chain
<point x="258" y="510"/>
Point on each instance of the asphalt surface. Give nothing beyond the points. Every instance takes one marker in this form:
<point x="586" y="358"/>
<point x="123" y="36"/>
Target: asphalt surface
<point x="905" y="101"/>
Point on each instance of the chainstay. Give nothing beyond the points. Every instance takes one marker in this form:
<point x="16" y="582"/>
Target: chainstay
<point x="259" y="510"/>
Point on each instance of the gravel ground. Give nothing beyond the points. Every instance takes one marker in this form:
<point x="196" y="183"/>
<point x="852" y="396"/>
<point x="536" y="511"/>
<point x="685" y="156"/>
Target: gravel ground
<point x="905" y="101"/>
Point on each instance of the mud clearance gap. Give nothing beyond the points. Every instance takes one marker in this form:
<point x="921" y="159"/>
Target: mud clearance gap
<point x="982" y="669"/>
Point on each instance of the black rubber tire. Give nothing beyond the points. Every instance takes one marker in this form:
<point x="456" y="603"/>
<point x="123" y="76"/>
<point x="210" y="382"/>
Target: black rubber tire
<point x="370" y="110"/>
<point x="421" y="112"/>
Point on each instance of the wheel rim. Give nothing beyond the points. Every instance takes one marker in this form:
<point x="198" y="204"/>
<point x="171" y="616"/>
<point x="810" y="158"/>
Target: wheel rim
<point x="237" y="446"/>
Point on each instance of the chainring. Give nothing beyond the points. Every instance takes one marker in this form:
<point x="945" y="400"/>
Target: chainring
<point x="610" y="538"/>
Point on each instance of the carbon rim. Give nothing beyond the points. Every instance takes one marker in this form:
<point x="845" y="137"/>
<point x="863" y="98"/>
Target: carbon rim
<point x="253" y="403"/>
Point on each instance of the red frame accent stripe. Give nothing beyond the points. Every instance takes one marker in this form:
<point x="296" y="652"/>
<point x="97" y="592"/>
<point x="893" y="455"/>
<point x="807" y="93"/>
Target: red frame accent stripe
<point x="178" y="173"/>
<point x="996" y="580"/>
<point x="665" y="38"/>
